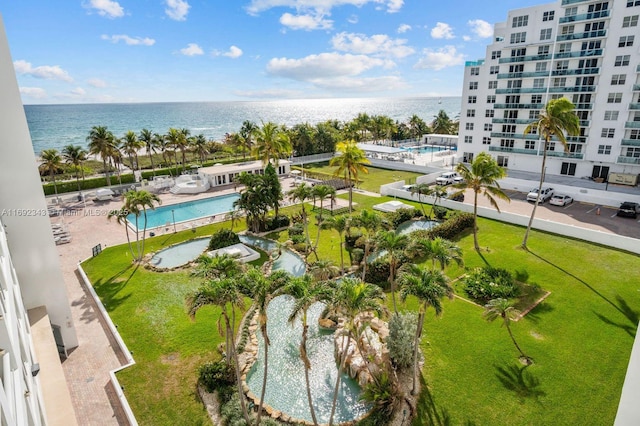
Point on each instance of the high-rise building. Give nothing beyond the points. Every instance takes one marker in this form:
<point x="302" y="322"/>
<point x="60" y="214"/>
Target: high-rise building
<point x="35" y="314"/>
<point x="584" y="50"/>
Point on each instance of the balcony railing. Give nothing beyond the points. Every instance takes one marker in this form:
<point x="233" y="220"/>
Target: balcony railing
<point x="579" y="54"/>
<point x="635" y="105"/>
<point x="584" y="16"/>
<point x="524" y="74"/>
<point x="584" y="106"/>
<point x="513" y="150"/>
<point x="580" y="71"/>
<point x="579" y="36"/>
<point x="512" y="120"/>
<point x="630" y="142"/>
<point x="565" y="2"/>
<point x="636" y="87"/>
<point x="562" y="154"/>
<point x="572" y="89"/>
<point x="628" y="160"/>
<point x="529" y="58"/>
<point x="518" y="106"/>
<point x="522" y="90"/>
<point x="632" y="125"/>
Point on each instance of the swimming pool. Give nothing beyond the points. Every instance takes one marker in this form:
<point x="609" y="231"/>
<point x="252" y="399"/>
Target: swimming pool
<point x="428" y="149"/>
<point x="182" y="212"/>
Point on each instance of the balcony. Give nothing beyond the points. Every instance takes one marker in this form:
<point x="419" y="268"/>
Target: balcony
<point x="519" y="106"/>
<point x="579" y="36"/>
<point x="632" y="125"/>
<point x="579" y="54"/>
<point x="585" y="123"/>
<point x="566" y="2"/>
<point x="630" y="142"/>
<point x="635" y="105"/>
<point x="562" y="154"/>
<point x="524" y="58"/>
<point x="636" y="87"/>
<point x="628" y="160"/>
<point x="581" y="71"/>
<point x="530" y="136"/>
<point x="572" y="89"/>
<point x="522" y="90"/>
<point x="584" y="16"/>
<point x="512" y="120"/>
<point x="584" y="106"/>
<point x="524" y="74"/>
<point x="513" y="150"/>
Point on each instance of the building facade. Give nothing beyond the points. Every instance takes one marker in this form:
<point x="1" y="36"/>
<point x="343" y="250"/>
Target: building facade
<point x="585" y="50"/>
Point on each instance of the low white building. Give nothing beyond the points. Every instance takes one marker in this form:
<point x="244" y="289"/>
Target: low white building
<point x="225" y="174"/>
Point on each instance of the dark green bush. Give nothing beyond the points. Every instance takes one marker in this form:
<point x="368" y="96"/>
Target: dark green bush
<point x="402" y="215"/>
<point x="356" y="255"/>
<point x="298" y="239"/>
<point x="223" y="238"/>
<point x="296" y="229"/>
<point x="87" y="184"/>
<point x="214" y="375"/>
<point x="484" y="284"/>
<point x="452" y="227"/>
<point x="350" y="239"/>
<point x="277" y="222"/>
<point x="439" y="212"/>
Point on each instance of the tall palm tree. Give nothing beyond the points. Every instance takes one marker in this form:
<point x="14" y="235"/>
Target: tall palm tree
<point x="174" y="141"/>
<point x="52" y="164"/>
<point x="341" y="224"/>
<point x="351" y="297"/>
<point x="226" y="295"/>
<point x="223" y="266"/>
<point x="75" y="156"/>
<point x="557" y="118"/>
<point x="395" y="245"/>
<point x="101" y="142"/>
<point x="370" y="222"/>
<point x="482" y="178"/>
<point x="137" y="202"/>
<point x="301" y="193"/>
<point x="121" y="217"/>
<point x="130" y="146"/>
<point x="442" y="124"/>
<point x="421" y="189"/>
<point x="262" y="289"/>
<point x="272" y="143"/>
<point x="323" y="270"/>
<point x="200" y="146"/>
<point x="321" y="192"/>
<point x="429" y="287"/>
<point x="149" y="142"/>
<point x="502" y="308"/>
<point x="245" y="134"/>
<point x="183" y="145"/>
<point x="417" y="127"/>
<point x="306" y="291"/>
<point x="115" y="156"/>
<point x="362" y="122"/>
<point x="349" y="163"/>
<point x="439" y="250"/>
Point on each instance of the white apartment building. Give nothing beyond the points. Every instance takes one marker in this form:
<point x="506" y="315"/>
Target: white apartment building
<point x="35" y="314"/>
<point x="585" y="50"/>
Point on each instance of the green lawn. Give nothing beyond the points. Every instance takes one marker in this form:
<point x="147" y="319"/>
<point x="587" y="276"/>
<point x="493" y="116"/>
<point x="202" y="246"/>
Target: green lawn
<point x="580" y="337"/>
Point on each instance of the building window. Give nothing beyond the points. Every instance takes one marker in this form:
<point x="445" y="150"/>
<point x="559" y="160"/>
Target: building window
<point x="496" y="54"/>
<point x="548" y="16"/>
<point x="493" y="85"/>
<point x="635" y="134"/>
<point x="512" y="99"/>
<point x="468" y="126"/>
<point x="562" y="65"/>
<point x="631" y="3"/>
<point x="533" y="115"/>
<point x="472" y="99"/>
<point x="611" y="115"/>
<point x="568" y="169"/>
<point x="520" y="21"/>
<point x="468" y="139"/>
<point x="529" y="144"/>
<point x="538" y="83"/>
<point x="489" y="113"/>
<point x="536" y="99"/>
<point x="571" y="11"/>
<point x="486" y="140"/>
<point x="494" y="69"/>
<point x="541" y="66"/>
<point x="614" y="98"/>
<point x="503" y="161"/>
<point x="556" y="96"/>
<point x="598" y="7"/>
<point x="626" y="41"/>
<point x="471" y="113"/>
<point x="507" y="143"/>
<point x="518" y="52"/>
<point x="594" y="26"/>
<point x="622" y="60"/>
<point x="618" y="79"/>
<point x="564" y="47"/>
<point x="514" y="84"/>
<point x="543" y="50"/>
<point x="475" y="70"/>
<point x="633" y="152"/>
<point x="588" y="63"/>
<point x="488" y="127"/>
<point x="604" y="149"/>
<point x="607" y="133"/>
<point x="630" y="21"/>
<point x="567" y="29"/>
<point x="545" y="34"/>
<point x="559" y="82"/>
<point x="473" y="85"/>
<point x="491" y="99"/>
<point x="518" y="38"/>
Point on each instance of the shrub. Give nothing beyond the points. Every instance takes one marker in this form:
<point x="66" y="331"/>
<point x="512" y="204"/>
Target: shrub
<point x="452" y="227"/>
<point x="350" y="239"/>
<point x="296" y="229"/>
<point x="402" y="215"/>
<point x="356" y="255"/>
<point x="484" y="284"/>
<point x="378" y="272"/>
<point x="223" y="238"/>
<point x="440" y="212"/>
<point x="277" y="222"/>
<point x="402" y="332"/>
<point x="214" y="375"/>
<point x="298" y="239"/>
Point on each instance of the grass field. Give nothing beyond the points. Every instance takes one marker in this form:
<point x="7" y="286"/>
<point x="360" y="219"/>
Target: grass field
<point x="580" y="337"/>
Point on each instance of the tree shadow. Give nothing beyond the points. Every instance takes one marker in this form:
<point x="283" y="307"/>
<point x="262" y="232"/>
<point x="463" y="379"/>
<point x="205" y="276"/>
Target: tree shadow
<point x="621" y="306"/>
<point x="536" y="313"/>
<point x="519" y="380"/>
<point x="430" y="413"/>
<point x="109" y="289"/>
<point x="632" y="316"/>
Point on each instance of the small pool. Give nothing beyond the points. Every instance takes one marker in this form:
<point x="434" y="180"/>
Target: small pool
<point x="429" y="149"/>
<point x="287" y="261"/>
<point x="415" y="225"/>
<point x="179" y="254"/>
<point x="286" y="387"/>
<point x="182" y="212"/>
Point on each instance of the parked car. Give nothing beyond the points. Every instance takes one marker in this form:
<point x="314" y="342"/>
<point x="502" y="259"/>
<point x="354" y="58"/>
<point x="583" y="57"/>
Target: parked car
<point x="560" y="200"/>
<point x="448" y="178"/>
<point x="545" y="195"/>
<point x="629" y="209"/>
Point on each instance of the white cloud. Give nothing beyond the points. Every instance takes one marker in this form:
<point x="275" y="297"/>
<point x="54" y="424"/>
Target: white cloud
<point x="96" y="82"/>
<point x="378" y="44"/>
<point x="306" y="22"/>
<point x="442" y="30"/>
<point x="324" y="65"/>
<point x="233" y="52"/>
<point x="108" y="8"/>
<point x="131" y="41"/>
<point x="321" y="6"/>
<point x="78" y="91"/>
<point x="394" y="6"/>
<point x="481" y="28"/>
<point x="466" y="38"/>
<point x="353" y="19"/>
<point x="440" y="58"/>
<point x="362" y="85"/>
<point x="177" y="9"/>
<point x="33" y="92"/>
<point x="47" y="72"/>
<point x="404" y="28"/>
<point x="192" y="49"/>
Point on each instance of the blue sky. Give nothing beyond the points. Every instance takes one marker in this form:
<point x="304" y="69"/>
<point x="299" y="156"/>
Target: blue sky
<point x="79" y="51"/>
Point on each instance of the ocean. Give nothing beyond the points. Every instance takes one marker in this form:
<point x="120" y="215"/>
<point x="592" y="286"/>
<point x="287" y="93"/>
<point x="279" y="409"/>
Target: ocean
<point x="55" y="126"/>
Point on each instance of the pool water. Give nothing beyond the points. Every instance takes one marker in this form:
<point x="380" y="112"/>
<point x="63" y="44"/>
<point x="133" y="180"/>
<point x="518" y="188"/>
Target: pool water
<point x="182" y="212"/>
<point x="287" y="261"/>
<point x="286" y="386"/>
<point x="415" y="225"/>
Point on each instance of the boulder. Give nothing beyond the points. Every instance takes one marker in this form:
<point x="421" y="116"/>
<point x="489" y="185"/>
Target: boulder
<point x="327" y="323"/>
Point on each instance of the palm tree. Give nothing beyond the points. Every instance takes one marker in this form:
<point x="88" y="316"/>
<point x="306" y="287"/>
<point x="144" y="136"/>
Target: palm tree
<point x="245" y="139"/>
<point x="130" y="146"/>
<point x="301" y="193"/>
<point x="422" y="189"/>
<point x="395" y="245"/>
<point x="52" y="164"/>
<point x="150" y="144"/>
<point x="174" y="141"/>
<point x="482" y="178"/>
<point x="351" y="297"/>
<point x="362" y="122"/>
<point x="502" y="308"/>
<point x="442" y="124"/>
<point x="261" y="289"/>
<point x="417" y="127"/>
<point x="369" y="221"/>
<point x="225" y="294"/>
<point x="115" y="155"/>
<point x="75" y="155"/>
<point x="341" y="224"/>
<point x="137" y="202"/>
<point x="439" y="250"/>
<point x="557" y="118"/>
<point x="323" y="270"/>
<point x="183" y="144"/>
<point x="306" y="291"/>
<point x="101" y="142"/>
<point x="349" y="163"/>
<point x="429" y="287"/>
<point x="321" y="192"/>
<point x="223" y="266"/>
<point x="233" y="216"/>
<point x="121" y="217"/>
<point x="200" y="146"/>
<point x="272" y="143"/>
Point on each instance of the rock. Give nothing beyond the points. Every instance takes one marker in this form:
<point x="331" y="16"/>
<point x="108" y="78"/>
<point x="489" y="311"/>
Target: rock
<point x="326" y="323"/>
<point x="245" y="388"/>
<point x="268" y="409"/>
<point x="276" y="414"/>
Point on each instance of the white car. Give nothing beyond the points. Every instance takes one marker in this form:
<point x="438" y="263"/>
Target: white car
<point x="560" y="200"/>
<point x="545" y="194"/>
<point x="448" y="178"/>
